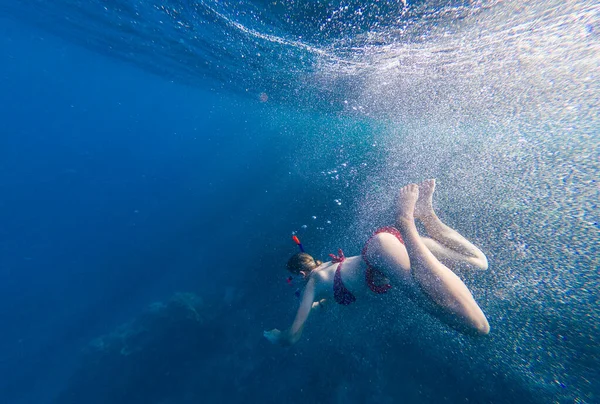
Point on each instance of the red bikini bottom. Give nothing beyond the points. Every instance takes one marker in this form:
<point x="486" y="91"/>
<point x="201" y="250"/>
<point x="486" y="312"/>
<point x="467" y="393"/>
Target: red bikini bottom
<point x="340" y="293"/>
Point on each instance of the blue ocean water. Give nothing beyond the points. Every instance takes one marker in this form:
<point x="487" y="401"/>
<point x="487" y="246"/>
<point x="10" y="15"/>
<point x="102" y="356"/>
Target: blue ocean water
<point x="150" y="149"/>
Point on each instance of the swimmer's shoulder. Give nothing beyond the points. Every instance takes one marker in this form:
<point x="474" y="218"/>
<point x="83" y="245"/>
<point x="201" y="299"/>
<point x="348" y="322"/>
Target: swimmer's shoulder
<point x="323" y="272"/>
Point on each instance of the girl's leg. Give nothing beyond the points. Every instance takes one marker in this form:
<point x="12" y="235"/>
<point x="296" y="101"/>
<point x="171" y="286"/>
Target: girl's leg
<point x="438" y="282"/>
<point x="445" y="243"/>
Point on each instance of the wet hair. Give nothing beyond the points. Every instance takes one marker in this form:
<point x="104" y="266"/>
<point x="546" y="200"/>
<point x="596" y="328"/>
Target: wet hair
<point x="302" y="262"/>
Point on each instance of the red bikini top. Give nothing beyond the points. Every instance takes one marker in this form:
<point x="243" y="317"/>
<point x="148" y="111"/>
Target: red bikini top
<point x="341" y="294"/>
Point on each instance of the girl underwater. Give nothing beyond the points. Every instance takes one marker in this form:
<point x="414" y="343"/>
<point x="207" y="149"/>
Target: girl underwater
<point x="399" y="254"/>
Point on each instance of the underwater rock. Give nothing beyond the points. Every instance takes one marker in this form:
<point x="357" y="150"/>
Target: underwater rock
<point x="194" y="350"/>
<point x="149" y="359"/>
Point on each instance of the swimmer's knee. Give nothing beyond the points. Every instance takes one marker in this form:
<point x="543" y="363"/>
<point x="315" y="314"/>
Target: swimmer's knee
<point x="478" y="323"/>
<point x="482" y="326"/>
<point x="471" y="326"/>
<point x="480" y="262"/>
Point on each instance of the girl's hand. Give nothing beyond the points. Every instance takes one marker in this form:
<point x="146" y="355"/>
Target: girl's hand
<point x="320" y="304"/>
<point x="274" y="336"/>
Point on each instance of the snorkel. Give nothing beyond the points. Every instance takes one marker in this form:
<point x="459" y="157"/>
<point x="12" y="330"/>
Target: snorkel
<point x="290" y="278"/>
<point x="298" y="243"/>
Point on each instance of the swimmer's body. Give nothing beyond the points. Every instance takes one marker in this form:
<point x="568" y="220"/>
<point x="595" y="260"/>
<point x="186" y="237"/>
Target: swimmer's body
<point x="415" y="265"/>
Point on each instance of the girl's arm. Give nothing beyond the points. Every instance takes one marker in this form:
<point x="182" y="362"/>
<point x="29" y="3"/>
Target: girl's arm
<point x="292" y="334"/>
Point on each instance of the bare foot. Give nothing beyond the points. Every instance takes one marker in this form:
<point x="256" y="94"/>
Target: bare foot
<point x="424" y="203"/>
<point x="407" y="198"/>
